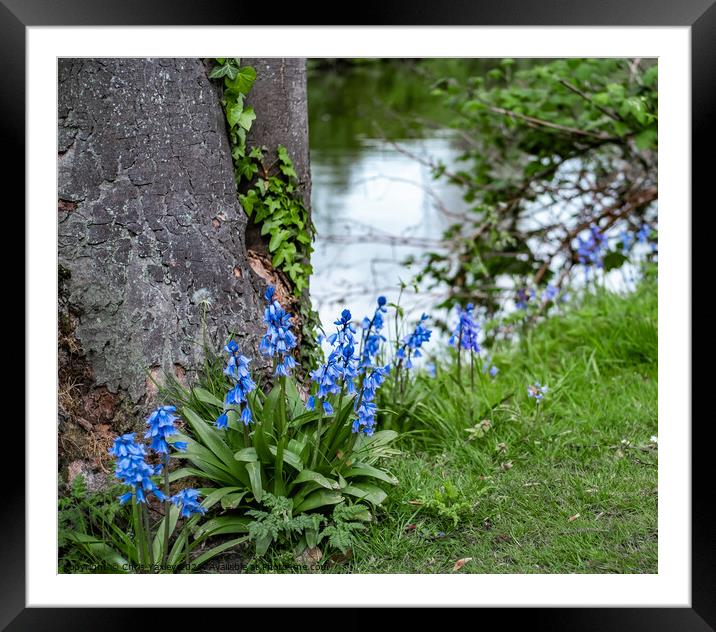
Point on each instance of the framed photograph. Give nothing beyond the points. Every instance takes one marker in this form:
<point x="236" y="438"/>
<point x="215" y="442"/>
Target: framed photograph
<point x="360" y="316"/>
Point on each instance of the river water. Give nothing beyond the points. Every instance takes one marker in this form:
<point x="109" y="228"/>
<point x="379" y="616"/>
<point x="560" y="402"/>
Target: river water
<point x="374" y="200"/>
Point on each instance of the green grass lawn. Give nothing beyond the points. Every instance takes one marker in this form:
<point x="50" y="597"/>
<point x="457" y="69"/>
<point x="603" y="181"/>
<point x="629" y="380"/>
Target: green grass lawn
<point x="566" y="486"/>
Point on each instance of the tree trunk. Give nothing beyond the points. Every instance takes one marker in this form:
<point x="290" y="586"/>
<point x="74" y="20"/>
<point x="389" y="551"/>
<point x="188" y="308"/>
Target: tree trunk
<point x="151" y="239"/>
<point x="279" y="98"/>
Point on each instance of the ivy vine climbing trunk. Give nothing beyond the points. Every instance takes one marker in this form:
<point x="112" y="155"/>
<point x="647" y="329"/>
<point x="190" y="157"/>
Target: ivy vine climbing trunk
<point x="152" y="257"/>
<point x="279" y="97"/>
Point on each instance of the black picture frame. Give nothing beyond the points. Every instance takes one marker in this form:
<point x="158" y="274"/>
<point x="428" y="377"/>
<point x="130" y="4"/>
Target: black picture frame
<point x="700" y="15"/>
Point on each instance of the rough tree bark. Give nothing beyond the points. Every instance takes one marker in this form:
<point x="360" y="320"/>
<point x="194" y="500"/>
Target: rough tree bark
<point x="152" y="259"/>
<point x="280" y="100"/>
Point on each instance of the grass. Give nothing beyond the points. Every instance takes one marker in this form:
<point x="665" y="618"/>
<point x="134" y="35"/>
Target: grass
<point x="487" y="475"/>
<point x="566" y="486"/>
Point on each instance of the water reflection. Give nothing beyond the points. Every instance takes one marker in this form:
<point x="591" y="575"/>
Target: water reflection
<point x="374" y="201"/>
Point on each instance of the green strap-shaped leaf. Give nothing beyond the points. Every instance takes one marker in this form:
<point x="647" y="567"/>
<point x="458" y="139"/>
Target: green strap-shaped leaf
<point x="254" y="470"/>
<point x="158" y="543"/>
<point x="207" y="469"/>
<point x="213" y="552"/>
<point x="247" y="455"/>
<point x="366" y="491"/>
<point x="215" y="495"/>
<point x="363" y="469"/>
<point x="320" y="498"/>
<point x="98" y="548"/>
<point x="211" y="438"/>
<point x="208" y="398"/>
<point x="315" y="477"/>
<point x="232" y="501"/>
<point x="291" y="458"/>
<point x="221" y="525"/>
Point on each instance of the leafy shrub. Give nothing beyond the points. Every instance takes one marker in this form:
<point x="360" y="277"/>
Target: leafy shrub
<point x="253" y="446"/>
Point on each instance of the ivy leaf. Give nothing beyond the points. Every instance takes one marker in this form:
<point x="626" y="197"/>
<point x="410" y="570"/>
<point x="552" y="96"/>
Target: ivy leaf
<point x="273" y="205"/>
<point x="223" y="70"/>
<point x="246" y="118"/>
<point x="234" y="111"/>
<point x="277" y="238"/>
<point x="288" y="171"/>
<point x="242" y="80"/>
<point x="282" y="153"/>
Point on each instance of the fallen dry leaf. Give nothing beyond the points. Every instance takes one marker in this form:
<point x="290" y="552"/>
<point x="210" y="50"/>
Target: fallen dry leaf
<point x="310" y="556"/>
<point x="506" y="466"/>
<point x="460" y="563"/>
<point x="410" y="527"/>
<point x="573" y="518"/>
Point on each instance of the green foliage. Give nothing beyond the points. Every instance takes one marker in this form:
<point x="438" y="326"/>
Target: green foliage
<point x="577" y="137"/>
<point x="237" y="84"/>
<point x="270" y="197"/>
<point x="599" y="336"/>
<point x="85" y="522"/>
<point x="448" y="502"/>
<point x="270" y="191"/>
<point x="313" y="461"/>
<point x="98" y="535"/>
<point x="279" y="523"/>
<point x="273" y="203"/>
<point x="347" y="520"/>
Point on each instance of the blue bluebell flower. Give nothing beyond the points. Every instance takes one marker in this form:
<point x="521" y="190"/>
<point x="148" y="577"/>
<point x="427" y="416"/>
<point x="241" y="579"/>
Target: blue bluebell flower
<point x="536" y="391"/>
<point x="643" y="234"/>
<point x="237" y="370"/>
<point x="222" y="421"/>
<point x="188" y="502"/>
<point x="627" y="240"/>
<point x="466" y="332"/>
<point x="132" y="469"/>
<point x="550" y="293"/>
<point x="279" y="339"/>
<point x="590" y="250"/>
<point x="420" y="335"/>
<point x="161" y="425"/>
<point x="431" y="369"/>
<point x="489" y="367"/>
<point x="364" y="407"/>
<point x="524" y="296"/>
<point x="340" y="369"/>
<point x="409" y="347"/>
<point x="372" y="338"/>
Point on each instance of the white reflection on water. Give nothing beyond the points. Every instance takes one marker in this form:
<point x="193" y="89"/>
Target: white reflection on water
<point x="372" y="208"/>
